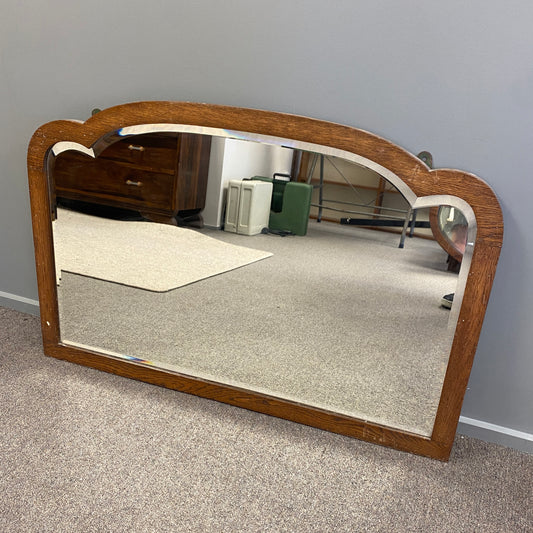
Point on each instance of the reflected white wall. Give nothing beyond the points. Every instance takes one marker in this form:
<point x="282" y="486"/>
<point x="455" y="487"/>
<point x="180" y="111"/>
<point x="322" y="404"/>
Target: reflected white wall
<point x="232" y="159"/>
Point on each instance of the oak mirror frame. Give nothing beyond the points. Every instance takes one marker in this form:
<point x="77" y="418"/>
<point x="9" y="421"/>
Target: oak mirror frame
<point x="422" y="186"/>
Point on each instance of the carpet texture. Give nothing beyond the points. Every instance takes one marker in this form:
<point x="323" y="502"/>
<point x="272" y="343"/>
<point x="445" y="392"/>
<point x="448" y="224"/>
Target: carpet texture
<point x="155" y="257"/>
<point x="85" y="451"/>
<point x="341" y="319"/>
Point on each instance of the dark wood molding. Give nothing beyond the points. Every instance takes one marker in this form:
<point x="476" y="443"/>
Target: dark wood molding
<point x="415" y="174"/>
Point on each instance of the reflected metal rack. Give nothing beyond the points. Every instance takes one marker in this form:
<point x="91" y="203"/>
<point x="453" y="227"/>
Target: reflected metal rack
<point x="381" y="217"/>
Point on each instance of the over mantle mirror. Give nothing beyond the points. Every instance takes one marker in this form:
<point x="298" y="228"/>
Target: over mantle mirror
<point x="340" y="327"/>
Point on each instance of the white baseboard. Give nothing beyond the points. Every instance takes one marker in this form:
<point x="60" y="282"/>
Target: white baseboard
<point x="504" y="436"/>
<point x="19" y="303"/>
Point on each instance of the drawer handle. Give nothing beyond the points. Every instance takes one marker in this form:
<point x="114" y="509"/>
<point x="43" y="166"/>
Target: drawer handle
<point x="134" y="183"/>
<point x="136" y="147"/>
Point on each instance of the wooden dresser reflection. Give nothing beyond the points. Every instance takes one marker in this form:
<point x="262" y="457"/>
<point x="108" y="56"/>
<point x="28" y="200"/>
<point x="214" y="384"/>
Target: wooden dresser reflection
<point x="161" y="175"/>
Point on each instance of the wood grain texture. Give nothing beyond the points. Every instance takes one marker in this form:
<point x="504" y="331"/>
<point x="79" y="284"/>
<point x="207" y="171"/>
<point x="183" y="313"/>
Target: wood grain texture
<point x="415" y="174"/>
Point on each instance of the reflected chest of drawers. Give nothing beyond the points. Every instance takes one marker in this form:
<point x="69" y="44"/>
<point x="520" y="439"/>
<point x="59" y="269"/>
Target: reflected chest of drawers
<point x="161" y="175"/>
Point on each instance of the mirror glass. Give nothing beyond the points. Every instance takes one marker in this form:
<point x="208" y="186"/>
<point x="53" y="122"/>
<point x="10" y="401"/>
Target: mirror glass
<point x="348" y="317"/>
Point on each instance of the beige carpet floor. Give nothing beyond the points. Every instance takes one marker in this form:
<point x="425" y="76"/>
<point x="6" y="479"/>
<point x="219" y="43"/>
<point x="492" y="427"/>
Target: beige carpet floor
<point x="341" y="319"/>
<point x="82" y="451"/>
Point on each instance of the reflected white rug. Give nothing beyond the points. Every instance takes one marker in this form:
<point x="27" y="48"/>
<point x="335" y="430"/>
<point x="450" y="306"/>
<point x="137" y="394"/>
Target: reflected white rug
<point x="155" y="257"/>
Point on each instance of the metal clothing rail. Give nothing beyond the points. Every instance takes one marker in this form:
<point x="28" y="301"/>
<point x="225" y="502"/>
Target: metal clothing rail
<point x="407" y="222"/>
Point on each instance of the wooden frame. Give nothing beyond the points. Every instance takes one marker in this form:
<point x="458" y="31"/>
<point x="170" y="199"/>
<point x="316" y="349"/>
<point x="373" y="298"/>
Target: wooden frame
<point x="414" y="173"/>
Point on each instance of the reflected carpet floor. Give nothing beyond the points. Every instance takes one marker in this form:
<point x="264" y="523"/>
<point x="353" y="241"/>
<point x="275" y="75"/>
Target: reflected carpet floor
<point x="342" y="319"/>
<point x="86" y="451"/>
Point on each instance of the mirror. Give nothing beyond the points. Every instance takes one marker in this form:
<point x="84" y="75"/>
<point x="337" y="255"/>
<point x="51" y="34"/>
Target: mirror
<point x="341" y="328"/>
<point x="342" y="352"/>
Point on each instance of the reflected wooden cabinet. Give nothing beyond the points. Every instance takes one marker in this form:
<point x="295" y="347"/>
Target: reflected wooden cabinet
<point x="161" y="175"/>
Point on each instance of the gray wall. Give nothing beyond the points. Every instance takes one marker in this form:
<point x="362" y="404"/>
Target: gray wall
<point x="451" y="77"/>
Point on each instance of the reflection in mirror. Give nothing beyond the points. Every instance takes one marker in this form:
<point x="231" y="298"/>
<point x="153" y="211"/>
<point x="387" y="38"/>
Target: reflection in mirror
<point x="452" y="223"/>
<point x="450" y="229"/>
<point x="346" y="318"/>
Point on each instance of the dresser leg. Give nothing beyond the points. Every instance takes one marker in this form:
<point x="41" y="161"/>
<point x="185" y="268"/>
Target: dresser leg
<point x="195" y="220"/>
<point x="161" y="219"/>
<point x="182" y="219"/>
